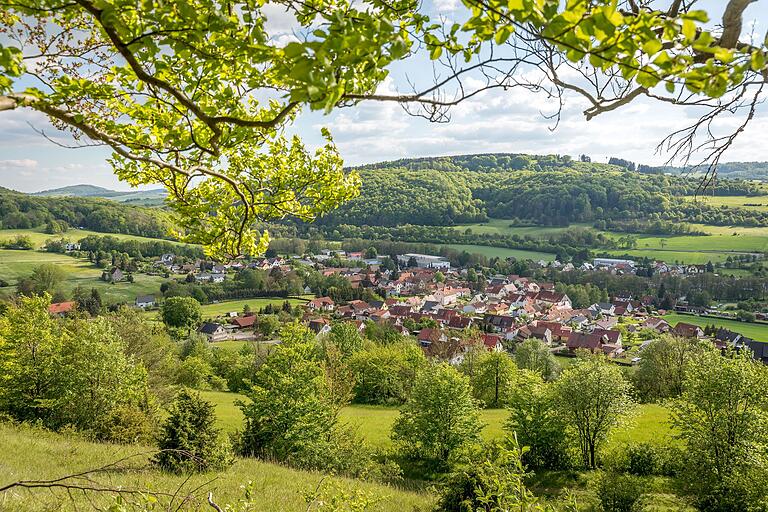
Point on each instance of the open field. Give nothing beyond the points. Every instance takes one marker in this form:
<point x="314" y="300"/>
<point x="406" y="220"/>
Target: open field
<point x="502" y="252"/>
<point x="39" y="238"/>
<point x="224" y="307"/>
<point x="18" y="264"/>
<point x="36" y="454"/>
<point x="375" y="422"/>
<point x="748" y="202"/>
<point x="758" y="332"/>
<point x="502" y="227"/>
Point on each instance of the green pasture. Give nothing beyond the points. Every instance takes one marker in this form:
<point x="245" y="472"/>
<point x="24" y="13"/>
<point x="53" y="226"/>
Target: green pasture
<point x="756" y="331"/>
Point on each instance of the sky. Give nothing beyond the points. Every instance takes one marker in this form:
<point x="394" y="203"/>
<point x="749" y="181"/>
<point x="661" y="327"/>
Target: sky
<point x="506" y="121"/>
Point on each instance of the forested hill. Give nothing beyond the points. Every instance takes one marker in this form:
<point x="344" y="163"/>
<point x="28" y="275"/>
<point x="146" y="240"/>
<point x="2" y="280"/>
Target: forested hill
<point x="24" y="211"/>
<point x="731" y="170"/>
<point x="548" y="190"/>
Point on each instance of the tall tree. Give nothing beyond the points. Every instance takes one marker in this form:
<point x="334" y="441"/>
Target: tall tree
<point x="593" y="397"/>
<point x="721" y="415"/>
<point x="495" y="373"/>
<point x="181" y="312"/>
<point x="534" y="355"/>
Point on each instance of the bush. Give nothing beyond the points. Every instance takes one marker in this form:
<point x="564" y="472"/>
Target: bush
<point x="617" y="492"/>
<point x="646" y="459"/>
<point x="189" y="441"/>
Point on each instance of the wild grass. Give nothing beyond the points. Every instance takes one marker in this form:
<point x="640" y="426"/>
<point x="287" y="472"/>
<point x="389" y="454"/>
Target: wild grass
<point x="224" y="307"/>
<point x="34" y="454"/>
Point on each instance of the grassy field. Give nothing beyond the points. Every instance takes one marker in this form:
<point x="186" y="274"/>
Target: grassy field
<point x="748" y="202"/>
<point x="502" y="252"/>
<point x="18" y="264"/>
<point x="224" y="307"/>
<point x="39" y="238"/>
<point x="36" y="454"/>
<point x="721" y="242"/>
<point x="375" y="422"/>
<point x="758" y="332"/>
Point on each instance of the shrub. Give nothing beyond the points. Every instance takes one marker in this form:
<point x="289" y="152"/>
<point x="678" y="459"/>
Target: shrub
<point x="617" y="492"/>
<point x="189" y="441"/>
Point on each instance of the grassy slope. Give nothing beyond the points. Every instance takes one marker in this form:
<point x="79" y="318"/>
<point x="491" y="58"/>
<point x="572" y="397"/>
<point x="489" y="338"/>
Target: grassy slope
<point x="502" y="252"/>
<point x="35" y="454"/>
<point x="17" y="264"/>
<point x="39" y="238"/>
<point x="375" y="422"/>
<point x="758" y="332"/>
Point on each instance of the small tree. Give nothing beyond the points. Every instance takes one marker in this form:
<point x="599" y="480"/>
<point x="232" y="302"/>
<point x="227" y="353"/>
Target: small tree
<point x="346" y="337"/>
<point x="534" y="355"/>
<point x="535" y="421"/>
<point x="494" y="375"/>
<point x="181" y="312"/>
<point x="440" y="417"/>
<point x="190" y="441"/>
<point x="664" y="364"/>
<point x="593" y="397"/>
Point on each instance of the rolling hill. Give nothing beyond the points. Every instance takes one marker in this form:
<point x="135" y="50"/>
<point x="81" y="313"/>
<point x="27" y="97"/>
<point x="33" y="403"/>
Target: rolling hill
<point x="144" y="197"/>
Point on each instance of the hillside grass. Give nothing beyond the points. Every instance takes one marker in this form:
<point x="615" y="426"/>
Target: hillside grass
<point x="39" y="238"/>
<point x="15" y="265"/>
<point x="31" y="453"/>
<point x="756" y="331"/>
<point x="374" y="423"/>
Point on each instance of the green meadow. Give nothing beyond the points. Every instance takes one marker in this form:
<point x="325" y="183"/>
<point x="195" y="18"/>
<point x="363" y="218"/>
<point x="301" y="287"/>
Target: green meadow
<point x="748" y="202"/>
<point x="224" y="307"/>
<point x="39" y="238"/>
<point x="15" y="265"/>
<point x="374" y="423"/>
<point x="756" y="331"/>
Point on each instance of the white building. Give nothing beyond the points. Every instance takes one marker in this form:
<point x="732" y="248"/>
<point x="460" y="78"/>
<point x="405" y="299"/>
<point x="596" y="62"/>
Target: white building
<point x="424" y="260"/>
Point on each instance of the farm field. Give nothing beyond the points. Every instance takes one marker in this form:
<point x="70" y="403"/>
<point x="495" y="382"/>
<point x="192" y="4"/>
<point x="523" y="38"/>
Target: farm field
<point x="224" y="307"/>
<point x="502" y="252"/>
<point x="32" y="453"/>
<point x="18" y="264"/>
<point x="375" y="422"/>
<point x="758" y="332"/>
<point x="502" y="227"/>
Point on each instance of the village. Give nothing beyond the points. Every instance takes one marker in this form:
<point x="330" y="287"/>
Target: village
<point x="448" y="313"/>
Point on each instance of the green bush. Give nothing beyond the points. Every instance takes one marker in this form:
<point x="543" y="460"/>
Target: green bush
<point x="618" y="492"/>
<point x="189" y="441"/>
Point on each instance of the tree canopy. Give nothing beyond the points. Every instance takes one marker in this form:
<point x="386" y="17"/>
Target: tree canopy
<point x="195" y="95"/>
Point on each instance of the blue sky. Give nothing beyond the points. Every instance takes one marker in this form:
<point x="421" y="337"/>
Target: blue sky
<point x="509" y="121"/>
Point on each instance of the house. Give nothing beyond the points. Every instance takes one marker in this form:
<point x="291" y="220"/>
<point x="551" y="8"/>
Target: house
<point x="320" y="326"/>
<point x="554" y="299"/>
<point x="499" y="323"/>
<point x="167" y="259"/>
<point x="213" y="331"/>
<point x="559" y="331"/>
<point x="72" y="246"/>
<point x="62" y="308"/>
<point x="244" y="322"/>
<point x="686" y="330"/>
<point x="612" y="336"/>
<point x="492" y="342"/>
<point x="212" y="278"/>
<point x="427" y="336"/>
<point x="145" y="301"/>
<point x="423" y="261"/>
<point x="540" y="332"/>
<point x="602" y="308"/>
<point x="112" y="275"/>
<point x="656" y="324"/>
<point x="321" y="304"/>
<point x="759" y="350"/>
<point x="593" y="342"/>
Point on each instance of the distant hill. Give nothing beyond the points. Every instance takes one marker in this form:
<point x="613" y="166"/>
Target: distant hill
<point x="140" y="197"/>
<point x="79" y="191"/>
